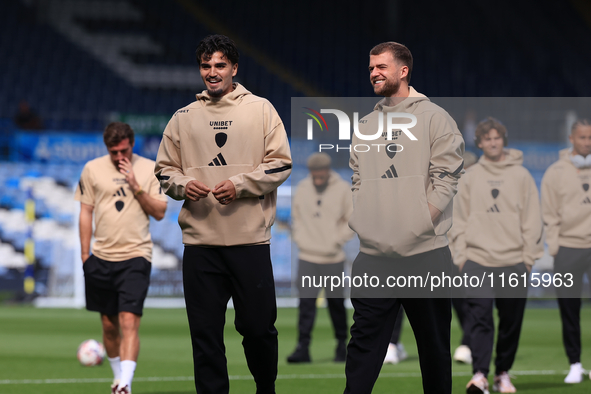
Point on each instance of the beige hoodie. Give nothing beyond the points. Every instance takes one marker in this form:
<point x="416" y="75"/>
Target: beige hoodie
<point x="391" y="189"/>
<point x="566" y="205"/>
<point x="239" y="137"/>
<point x="498" y="221"/>
<point x="319" y="220"/>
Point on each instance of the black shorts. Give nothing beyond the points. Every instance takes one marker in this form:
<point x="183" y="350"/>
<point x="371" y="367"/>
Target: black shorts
<point x="113" y="287"/>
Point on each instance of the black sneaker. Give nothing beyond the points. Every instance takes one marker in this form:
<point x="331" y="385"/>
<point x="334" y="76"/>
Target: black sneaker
<point x="300" y="355"/>
<point x="341" y="352"/>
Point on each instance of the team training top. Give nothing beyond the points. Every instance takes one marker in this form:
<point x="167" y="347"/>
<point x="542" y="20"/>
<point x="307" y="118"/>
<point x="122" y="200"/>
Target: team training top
<point x="238" y="137"/>
<point x="392" y="187"/>
<point x="566" y="205"/>
<point x="121" y="227"/>
<point x="498" y="222"/>
<point x="320" y="220"/>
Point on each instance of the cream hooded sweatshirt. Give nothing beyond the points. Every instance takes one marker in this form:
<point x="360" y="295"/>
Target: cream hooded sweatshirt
<point x="498" y="221"/>
<point x="566" y="205"/>
<point x="239" y="137"/>
<point x="319" y="220"/>
<point x="392" y="186"/>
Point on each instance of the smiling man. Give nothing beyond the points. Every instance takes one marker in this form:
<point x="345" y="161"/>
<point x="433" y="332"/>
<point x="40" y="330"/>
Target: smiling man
<point x="402" y="212"/>
<point x="121" y="191"/>
<point x="225" y="155"/>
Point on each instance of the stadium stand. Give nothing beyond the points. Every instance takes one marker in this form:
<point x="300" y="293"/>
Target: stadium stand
<point x="55" y="231"/>
<point x="85" y="60"/>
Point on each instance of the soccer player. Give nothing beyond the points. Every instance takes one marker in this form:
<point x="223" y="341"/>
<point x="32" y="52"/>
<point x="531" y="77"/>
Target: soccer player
<point x="320" y="214"/>
<point x="498" y="230"/>
<point x="121" y="192"/>
<point x="402" y="200"/>
<point x="566" y="206"/>
<point x="225" y="154"/>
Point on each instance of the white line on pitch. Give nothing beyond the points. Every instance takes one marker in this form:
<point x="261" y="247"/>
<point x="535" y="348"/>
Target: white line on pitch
<point x="248" y="377"/>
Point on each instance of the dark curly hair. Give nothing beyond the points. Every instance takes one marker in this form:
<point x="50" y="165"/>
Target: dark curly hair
<point x="217" y="43"/>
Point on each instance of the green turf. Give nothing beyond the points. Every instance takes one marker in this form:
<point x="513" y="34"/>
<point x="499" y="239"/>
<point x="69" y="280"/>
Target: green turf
<point x="40" y="345"/>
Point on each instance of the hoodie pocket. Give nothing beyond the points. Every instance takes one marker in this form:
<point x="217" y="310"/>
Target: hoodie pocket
<point x="495" y="234"/>
<point x="391" y="215"/>
<point x="233" y="221"/>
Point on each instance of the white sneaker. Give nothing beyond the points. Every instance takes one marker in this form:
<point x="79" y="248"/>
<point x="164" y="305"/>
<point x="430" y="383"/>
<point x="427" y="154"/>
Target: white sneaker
<point x="503" y="384"/>
<point x="478" y="384"/>
<point x="391" y="354"/>
<point x="401" y="352"/>
<point x="123" y="390"/>
<point x="463" y="354"/>
<point x="575" y="375"/>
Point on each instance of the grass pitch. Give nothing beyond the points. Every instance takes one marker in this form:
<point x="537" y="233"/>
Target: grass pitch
<point x="38" y="355"/>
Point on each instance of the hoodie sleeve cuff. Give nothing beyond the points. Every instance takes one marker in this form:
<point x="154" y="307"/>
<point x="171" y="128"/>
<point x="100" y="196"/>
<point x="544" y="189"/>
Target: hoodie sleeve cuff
<point x="439" y="200"/>
<point x="237" y="187"/>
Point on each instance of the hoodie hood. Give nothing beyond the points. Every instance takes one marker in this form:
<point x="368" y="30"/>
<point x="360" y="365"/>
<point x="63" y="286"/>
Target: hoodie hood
<point x="513" y="157"/>
<point x="231" y="99"/>
<point x="564" y="154"/>
<point x="407" y="104"/>
<point x="333" y="179"/>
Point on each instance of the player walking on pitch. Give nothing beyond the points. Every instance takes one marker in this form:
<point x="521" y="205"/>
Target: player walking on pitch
<point x="121" y="192"/>
<point x="498" y="230"/>
<point x="566" y="207"/>
<point x="402" y="211"/>
<point x="320" y="214"/>
<point x="225" y="155"/>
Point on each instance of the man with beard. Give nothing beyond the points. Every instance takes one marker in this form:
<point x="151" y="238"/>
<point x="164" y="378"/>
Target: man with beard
<point x="402" y="198"/>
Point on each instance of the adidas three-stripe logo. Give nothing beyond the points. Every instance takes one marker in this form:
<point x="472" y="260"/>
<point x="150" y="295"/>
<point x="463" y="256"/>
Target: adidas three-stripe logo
<point x="120" y="193"/>
<point x="586" y="201"/>
<point x="494" y="208"/>
<point x="390" y="173"/>
<point x="218" y="161"/>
